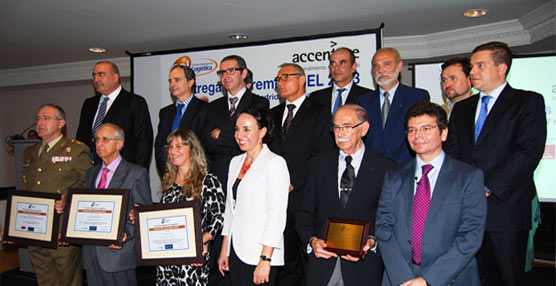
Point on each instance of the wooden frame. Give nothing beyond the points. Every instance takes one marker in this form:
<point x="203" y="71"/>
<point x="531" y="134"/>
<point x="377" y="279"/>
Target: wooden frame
<point x="346" y="236"/>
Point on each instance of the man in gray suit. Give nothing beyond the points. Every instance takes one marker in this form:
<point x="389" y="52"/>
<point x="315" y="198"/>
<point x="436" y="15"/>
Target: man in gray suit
<point x="115" y="264"/>
<point x="432" y="210"/>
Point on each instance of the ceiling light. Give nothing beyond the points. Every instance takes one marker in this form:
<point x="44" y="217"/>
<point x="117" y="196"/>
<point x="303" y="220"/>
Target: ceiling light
<point x="237" y="36"/>
<point x="474" y="13"/>
<point x="97" y="50"/>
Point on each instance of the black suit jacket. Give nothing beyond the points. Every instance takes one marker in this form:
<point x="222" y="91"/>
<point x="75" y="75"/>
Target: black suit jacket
<point x="129" y="112"/>
<point x="321" y="201"/>
<point x="508" y="150"/>
<point x="308" y="135"/>
<point x="221" y="150"/>
<point x="193" y="119"/>
<point x="324" y="96"/>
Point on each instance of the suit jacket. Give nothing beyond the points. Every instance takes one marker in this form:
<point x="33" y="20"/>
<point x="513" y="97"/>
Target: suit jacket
<point x="193" y="119"/>
<point x="508" y="151"/>
<point x="390" y="141"/>
<point x="136" y="179"/>
<point x="129" y="112"/>
<point x="259" y="215"/>
<point x="308" y="135"/>
<point x="321" y="201"/>
<point x="221" y="150"/>
<point x="324" y="96"/>
<point x="453" y="229"/>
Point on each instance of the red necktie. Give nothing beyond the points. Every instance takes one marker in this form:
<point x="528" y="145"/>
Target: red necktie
<point x="421" y="202"/>
<point x="103" y="179"/>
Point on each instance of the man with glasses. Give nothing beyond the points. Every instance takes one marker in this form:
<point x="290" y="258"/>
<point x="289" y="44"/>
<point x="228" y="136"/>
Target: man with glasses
<point x="432" y="210"/>
<point x="343" y="184"/>
<point x="187" y="112"/>
<point x="343" y="68"/>
<point x="55" y="165"/>
<point x="218" y="133"/>
<point x="115" y="264"/>
<point x="301" y="132"/>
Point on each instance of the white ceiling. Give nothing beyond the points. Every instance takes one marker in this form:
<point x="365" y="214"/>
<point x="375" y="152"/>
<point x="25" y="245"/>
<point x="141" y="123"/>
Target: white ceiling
<point x="40" y="32"/>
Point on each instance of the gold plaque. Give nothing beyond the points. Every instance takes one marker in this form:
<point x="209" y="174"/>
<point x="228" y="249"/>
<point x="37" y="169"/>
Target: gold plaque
<point x="346" y="236"/>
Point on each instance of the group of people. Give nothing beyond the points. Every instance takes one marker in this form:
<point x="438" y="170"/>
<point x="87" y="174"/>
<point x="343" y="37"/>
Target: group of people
<point x="448" y="201"/>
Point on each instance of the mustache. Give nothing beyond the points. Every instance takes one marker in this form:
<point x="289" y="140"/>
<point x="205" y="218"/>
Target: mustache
<point x="343" y="140"/>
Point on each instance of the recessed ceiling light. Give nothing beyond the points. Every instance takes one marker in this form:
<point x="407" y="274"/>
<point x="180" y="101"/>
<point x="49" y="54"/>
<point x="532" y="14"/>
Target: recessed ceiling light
<point x="474" y="13"/>
<point x="238" y="36"/>
<point x="97" y="50"/>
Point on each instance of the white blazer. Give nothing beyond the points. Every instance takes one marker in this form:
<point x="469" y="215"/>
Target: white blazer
<point x="259" y="216"/>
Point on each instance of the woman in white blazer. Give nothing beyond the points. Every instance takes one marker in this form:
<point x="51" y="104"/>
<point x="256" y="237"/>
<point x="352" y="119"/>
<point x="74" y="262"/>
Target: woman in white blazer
<point x="256" y="203"/>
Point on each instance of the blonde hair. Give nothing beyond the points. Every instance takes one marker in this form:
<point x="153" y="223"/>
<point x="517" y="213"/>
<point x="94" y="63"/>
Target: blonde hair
<point x="193" y="185"/>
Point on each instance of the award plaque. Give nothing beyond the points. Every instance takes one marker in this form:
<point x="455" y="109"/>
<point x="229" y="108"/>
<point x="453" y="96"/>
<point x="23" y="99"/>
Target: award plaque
<point x="95" y="216"/>
<point x="31" y="218"/>
<point x="346" y="236"/>
<point x="169" y="234"/>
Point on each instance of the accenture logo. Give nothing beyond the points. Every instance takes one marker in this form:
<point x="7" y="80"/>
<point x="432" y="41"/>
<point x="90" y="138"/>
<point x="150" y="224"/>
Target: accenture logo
<point x="203" y="67"/>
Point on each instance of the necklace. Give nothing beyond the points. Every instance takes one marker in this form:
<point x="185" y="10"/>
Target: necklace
<point x="244" y="168"/>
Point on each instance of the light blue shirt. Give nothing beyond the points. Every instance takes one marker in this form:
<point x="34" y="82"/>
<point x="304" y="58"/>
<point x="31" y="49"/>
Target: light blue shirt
<point x="390" y="92"/>
<point x="495" y="94"/>
<point x="185" y="102"/>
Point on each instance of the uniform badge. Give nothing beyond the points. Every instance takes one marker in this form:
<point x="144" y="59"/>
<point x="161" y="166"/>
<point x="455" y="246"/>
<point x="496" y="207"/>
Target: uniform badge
<point x="68" y="149"/>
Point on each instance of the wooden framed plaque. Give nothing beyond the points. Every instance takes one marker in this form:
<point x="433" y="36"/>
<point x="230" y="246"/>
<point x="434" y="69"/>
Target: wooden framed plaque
<point x="346" y="236"/>
<point x="31" y="218"/>
<point x="95" y="216"/>
<point x="169" y="234"/>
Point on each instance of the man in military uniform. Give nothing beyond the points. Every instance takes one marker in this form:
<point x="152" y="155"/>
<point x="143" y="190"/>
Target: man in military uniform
<point x="55" y="165"/>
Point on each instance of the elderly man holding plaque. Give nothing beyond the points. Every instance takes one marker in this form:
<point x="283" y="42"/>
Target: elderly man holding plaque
<point x="432" y="210"/>
<point x="115" y="265"/>
<point x="55" y="165"/>
<point x="343" y="186"/>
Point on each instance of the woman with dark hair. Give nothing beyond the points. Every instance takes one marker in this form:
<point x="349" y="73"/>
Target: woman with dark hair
<point x="186" y="178"/>
<point x="255" y="216"/>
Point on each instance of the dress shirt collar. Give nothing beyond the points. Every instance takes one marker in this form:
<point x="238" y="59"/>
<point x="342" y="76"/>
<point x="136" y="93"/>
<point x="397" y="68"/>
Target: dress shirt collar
<point x="111" y="170"/>
<point x="496" y="92"/>
<point x="433" y="174"/>
<point x="185" y="102"/>
<point x="357" y="157"/>
<point x="239" y="95"/>
<point x="51" y="143"/>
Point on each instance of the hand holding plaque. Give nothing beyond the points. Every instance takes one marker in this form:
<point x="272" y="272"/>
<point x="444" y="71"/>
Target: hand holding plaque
<point x="346" y="237"/>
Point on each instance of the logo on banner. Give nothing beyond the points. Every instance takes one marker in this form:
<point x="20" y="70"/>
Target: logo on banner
<point x="205" y="66"/>
<point x="183" y="61"/>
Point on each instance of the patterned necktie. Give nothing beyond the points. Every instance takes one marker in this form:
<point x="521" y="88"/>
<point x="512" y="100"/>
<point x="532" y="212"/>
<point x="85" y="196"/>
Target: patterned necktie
<point x="103" y="179"/>
<point x="346" y="184"/>
<point x="288" y="121"/>
<point x="178" y="116"/>
<point x="233" y="101"/>
<point x="338" y="101"/>
<point x="421" y="202"/>
<point x="482" y="116"/>
<point x="385" y="108"/>
<point x="100" y="115"/>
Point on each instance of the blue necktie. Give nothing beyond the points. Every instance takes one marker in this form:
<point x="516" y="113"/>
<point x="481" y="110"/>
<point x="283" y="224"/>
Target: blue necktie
<point x="100" y="115"/>
<point x="338" y="101"/>
<point x="178" y="116"/>
<point x="482" y="116"/>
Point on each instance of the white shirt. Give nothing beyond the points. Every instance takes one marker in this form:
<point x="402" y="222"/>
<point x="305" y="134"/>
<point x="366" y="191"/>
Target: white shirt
<point x="298" y="102"/>
<point x="433" y="173"/>
<point x="239" y="95"/>
<point x="111" y="97"/>
<point x="495" y="94"/>
<point x="357" y="157"/>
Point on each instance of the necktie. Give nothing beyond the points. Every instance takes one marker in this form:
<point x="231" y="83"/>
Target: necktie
<point x="338" y="101"/>
<point x="233" y="101"/>
<point x="482" y="116"/>
<point x="421" y="202"/>
<point x="178" y="116"/>
<point x="346" y="184"/>
<point x="44" y="150"/>
<point x="385" y="108"/>
<point x="288" y="121"/>
<point x="103" y="179"/>
<point x="100" y="115"/>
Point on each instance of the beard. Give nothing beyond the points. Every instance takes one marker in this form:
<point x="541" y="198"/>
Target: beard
<point x="387" y="78"/>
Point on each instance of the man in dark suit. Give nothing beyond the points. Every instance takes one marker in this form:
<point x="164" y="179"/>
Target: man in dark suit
<point x="304" y="133"/>
<point x="218" y="133"/>
<point x="191" y="115"/>
<point x="388" y="105"/>
<point x="343" y="184"/>
<point x="115" y="264"/>
<point x="435" y="203"/>
<point x="343" y="68"/>
<point x="502" y="131"/>
<point x="113" y="104"/>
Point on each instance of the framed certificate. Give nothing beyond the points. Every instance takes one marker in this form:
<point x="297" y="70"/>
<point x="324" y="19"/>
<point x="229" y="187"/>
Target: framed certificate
<point x="95" y="216"/>
<point x="346" y="236"/>
<point x="31" y="218"/>
<point x="169" y="234"/>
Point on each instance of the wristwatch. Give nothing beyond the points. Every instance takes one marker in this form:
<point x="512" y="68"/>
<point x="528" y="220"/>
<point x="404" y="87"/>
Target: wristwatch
<point x="265" y="258"/>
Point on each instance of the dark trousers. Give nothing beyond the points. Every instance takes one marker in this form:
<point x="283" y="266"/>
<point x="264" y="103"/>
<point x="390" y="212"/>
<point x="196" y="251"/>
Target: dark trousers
<point x="241" y="274"/>
<point x="501" y="259"/>
<point x="295" y="256"/>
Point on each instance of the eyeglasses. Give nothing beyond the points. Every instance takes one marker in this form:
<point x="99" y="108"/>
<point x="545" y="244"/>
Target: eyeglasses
<point x="229" y="71"/>
<point x="285" y="76"/>
<point x="345" y="128"/>
<point x="102" y="139"/>
<point x="427" y="129"/>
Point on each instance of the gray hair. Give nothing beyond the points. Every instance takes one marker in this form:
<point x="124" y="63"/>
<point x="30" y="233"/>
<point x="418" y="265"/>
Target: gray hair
<point x="119" y="133"/>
